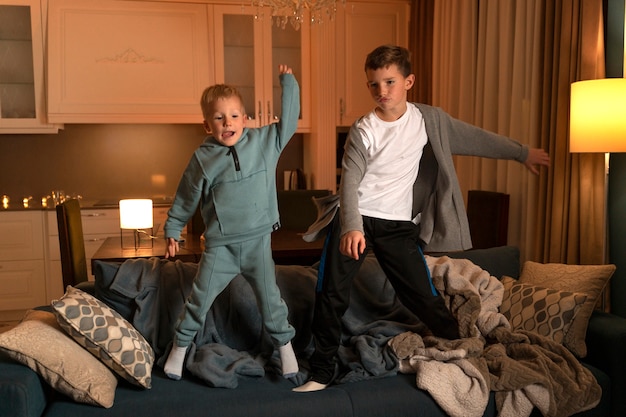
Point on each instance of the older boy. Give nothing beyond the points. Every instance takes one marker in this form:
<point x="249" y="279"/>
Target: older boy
<point x="398" y="194"/>
<point x="232" y="176"/>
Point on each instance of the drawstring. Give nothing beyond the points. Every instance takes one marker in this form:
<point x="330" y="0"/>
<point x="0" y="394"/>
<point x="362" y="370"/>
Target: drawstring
<point x="233" y="152"/>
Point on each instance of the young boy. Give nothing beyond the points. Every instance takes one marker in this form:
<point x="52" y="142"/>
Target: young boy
<point x="232" y="176"/>
<point x="398" y="194"/>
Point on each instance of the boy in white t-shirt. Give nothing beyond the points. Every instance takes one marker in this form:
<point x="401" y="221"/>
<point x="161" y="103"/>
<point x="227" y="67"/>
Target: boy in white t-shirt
<point x="398" y="195"/>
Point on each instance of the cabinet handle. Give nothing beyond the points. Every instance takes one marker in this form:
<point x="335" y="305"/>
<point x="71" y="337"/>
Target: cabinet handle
<point x="260" y="112"/>
<point x="341" y="109"/>
<point x="269" y="112"/>
<point x="94" y="215"/>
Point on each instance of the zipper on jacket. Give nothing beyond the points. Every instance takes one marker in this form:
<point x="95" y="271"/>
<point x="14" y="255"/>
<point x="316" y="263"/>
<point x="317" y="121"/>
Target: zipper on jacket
<point x="233" y="152"/>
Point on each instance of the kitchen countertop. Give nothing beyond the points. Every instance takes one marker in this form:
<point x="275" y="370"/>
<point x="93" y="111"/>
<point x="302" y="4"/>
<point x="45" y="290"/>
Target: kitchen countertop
<point x="34" y="205"/>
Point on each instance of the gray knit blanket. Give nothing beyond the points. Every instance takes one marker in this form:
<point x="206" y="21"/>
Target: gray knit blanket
<point x="524" y="369"/>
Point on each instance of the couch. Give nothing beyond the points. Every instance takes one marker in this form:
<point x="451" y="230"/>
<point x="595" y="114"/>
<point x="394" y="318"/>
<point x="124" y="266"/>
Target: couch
<point x="247" y="383"/>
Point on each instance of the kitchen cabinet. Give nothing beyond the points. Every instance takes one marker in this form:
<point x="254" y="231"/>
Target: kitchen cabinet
<point x="22" y="86"/>
<point x="22" y="272"/>
<point x="127" y="61"/>
<point x="361" y="27"/>
<point x="249" y="46"/>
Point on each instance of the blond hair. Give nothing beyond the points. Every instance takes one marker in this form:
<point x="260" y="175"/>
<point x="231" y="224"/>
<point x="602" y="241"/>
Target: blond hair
<point x="215" y="92"/>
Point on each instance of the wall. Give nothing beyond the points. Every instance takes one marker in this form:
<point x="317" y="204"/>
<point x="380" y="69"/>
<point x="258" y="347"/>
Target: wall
<point x="617" y="164"/>
<point x="107" y="161"/>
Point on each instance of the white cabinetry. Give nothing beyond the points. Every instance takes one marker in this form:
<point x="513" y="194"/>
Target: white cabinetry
<point x="127" y="61"/>
<point x="361" y="27"/>
<point x="22" y="89"/>
<point x="22" y="272"/>
<point x="248" y="50"/>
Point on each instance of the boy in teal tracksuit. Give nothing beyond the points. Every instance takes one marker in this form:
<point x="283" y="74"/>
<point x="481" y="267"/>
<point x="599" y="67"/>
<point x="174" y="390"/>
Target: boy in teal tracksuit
<point x="232" y="176"/>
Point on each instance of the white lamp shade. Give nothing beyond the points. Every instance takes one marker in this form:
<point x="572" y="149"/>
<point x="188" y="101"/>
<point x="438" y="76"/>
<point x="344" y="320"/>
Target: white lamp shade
<point x="136" y="214"/>
<point x="598" y="116"/>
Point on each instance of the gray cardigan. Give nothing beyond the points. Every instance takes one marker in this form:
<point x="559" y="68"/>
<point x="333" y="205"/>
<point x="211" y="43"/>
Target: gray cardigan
<point x="444" y="225"/>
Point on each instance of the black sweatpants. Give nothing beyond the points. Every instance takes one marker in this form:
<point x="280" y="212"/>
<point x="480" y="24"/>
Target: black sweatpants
<point x="397" y="247"/>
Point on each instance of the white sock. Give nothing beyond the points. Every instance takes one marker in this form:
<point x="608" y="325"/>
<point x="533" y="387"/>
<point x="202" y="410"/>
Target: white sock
<point x="288" y="360"/>
<point x="174" y="365"/>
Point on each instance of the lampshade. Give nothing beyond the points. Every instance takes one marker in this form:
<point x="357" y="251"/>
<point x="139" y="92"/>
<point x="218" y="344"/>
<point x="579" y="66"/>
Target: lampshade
<point x="136" y="214"/>
<point x="598" y="116"/>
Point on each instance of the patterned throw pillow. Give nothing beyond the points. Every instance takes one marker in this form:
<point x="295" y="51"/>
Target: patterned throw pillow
<point x="587" y="279"/>
<point x="39" y="343"/>
<point x="540" y="310"/>
<point x="106" y="334"/>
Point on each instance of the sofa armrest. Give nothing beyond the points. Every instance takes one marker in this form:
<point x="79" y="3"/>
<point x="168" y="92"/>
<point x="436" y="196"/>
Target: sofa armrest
<point x="606" y="338"/>
<point x="22" y="391"/>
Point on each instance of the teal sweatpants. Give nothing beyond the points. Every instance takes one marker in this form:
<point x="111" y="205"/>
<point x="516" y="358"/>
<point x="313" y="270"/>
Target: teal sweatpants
<point x="217" y="268"/>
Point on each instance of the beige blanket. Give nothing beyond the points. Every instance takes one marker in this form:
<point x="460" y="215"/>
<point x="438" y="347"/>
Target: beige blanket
<point x="524" y="369"/>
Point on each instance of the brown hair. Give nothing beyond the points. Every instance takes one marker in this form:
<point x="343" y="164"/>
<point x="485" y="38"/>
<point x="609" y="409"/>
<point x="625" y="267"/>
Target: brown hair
<point x="215" y="92"/>
<point x="387" y="55"/>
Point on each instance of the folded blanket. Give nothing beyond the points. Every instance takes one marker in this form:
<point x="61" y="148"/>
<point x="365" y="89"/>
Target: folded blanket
<point x="526" y="370"/>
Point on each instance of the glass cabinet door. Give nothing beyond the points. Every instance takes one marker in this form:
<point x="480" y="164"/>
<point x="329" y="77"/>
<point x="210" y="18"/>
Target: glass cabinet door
<point x="286" y="49"/>
<point x="17" y="84"/>
<point x="22" y="104"/>
<point x="249" y="47"/>
<point x="239" y="57"/>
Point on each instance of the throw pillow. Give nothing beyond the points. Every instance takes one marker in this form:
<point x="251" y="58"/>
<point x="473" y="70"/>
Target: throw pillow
<point x="106" y="334"/>
<point x="544" y="311"/>
<point x="587" y="279"/>
<point x="39" y="343"/>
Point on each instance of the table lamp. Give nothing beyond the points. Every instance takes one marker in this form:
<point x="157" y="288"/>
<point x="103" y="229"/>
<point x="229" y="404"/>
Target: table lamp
<point x="136" y="215"/>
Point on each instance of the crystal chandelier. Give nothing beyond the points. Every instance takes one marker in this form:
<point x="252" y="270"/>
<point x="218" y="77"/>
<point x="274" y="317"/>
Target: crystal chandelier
<point x="294" y="11"/>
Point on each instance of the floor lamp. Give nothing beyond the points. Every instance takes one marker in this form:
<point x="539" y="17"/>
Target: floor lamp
<point x="598" y="124"/>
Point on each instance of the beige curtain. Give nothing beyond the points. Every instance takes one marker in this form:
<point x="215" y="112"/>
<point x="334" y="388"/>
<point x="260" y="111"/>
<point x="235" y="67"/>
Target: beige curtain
<point x="507" y="66"/>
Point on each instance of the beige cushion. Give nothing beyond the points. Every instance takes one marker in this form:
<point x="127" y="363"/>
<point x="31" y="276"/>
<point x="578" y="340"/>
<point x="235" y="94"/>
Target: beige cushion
<point x="587" y="279"/>
<point x="541" y="310"/>
<point x="106" y="334"/>
<point x="39" y="343"/>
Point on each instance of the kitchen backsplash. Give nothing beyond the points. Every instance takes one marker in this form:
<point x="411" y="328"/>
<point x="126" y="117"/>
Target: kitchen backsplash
<point x="107" y="161"/>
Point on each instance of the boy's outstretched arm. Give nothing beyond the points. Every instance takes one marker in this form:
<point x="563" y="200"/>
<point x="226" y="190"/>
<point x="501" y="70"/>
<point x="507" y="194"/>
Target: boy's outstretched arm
<point x="536" y="157"/>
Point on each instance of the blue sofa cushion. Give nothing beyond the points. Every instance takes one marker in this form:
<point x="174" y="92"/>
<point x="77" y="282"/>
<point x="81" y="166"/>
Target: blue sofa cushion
<point x="21" y="390"/>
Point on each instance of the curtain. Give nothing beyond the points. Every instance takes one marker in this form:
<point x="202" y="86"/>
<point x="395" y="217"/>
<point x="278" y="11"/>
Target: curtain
<point x="507" y="66"/>
<point x="421" y="48"/>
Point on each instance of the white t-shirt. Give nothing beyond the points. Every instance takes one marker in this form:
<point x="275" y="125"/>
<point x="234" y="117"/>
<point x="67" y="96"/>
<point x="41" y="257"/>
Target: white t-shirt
<point x="394" y="150"/>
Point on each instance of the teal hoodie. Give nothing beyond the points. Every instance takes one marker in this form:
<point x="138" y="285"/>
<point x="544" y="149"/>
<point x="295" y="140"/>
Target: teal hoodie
<point x="236" y="186"/>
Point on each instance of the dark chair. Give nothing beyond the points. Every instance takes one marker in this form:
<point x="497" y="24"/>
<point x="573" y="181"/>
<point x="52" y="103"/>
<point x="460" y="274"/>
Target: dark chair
<point x="71" y="244"/>
<point x="297" y="209"/>
<point x="488" y="216"/>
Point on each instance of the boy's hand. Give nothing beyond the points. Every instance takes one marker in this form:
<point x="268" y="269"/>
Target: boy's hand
<point x="536" y="156"/>
<point x="171" y="248"/>
<point x="284" y="69"/>
<point x="352" y="244"/>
